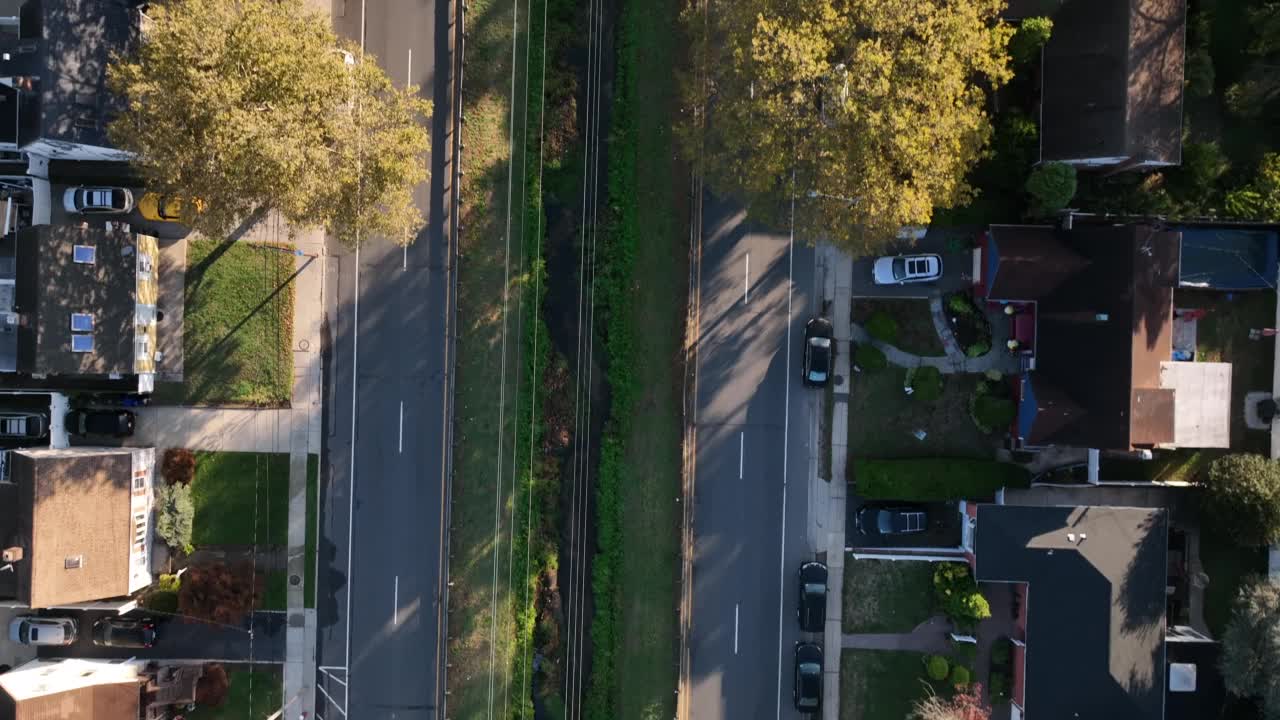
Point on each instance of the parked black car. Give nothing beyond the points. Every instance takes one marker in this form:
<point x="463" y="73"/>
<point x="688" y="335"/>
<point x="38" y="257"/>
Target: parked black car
<point x="816" y="369"/>
<point x="891" y="519"/>
<point x="125" y="632"/>
<point x="808" y="688"/>
<point x="114" y="423"/>
<point x="813" y="596"/>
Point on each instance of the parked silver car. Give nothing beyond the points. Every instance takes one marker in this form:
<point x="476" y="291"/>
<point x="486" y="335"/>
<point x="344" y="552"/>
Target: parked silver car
<point x="32" y="630"/>
<point x="903" y="269"/>
<point x="23" y="426"/>
<point x="98" y="200"/>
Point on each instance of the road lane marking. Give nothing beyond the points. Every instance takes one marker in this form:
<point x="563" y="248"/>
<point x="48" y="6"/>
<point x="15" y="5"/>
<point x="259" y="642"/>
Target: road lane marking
<point x="395" y="602"/>
<point x="351" y="489"/>
<point x="786" y="432"/>
<point x="336" y="706"/>
<point x="400" y="444"/>
<point x="735" y="628"/>
<point x="746" y="280"/>
<point x="742" y="442"/>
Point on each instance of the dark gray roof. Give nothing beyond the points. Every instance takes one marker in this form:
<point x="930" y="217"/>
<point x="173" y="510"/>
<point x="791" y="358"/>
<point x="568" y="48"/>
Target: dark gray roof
<point x="51" y="286"/>
<point x="1113" y="76"/>
<point x="64" y="48"/>
<point x="1095" y="641"/>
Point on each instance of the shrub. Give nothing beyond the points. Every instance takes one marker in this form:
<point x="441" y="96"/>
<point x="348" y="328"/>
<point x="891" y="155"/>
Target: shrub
<point x="978" y="349"/>
<point x="169" y="583"/>
<point x="999" y="685"/>
<point x="162" y="601"/>
<point x="883" y="327"/>
<point x="991" y="413"/>
<point x="1051" y="186"/>
<point x="174" y="515"/>
<point x="961" y="304"/>
<point x="937" y="667"/>
<point x="929" y="479"/>
<point x="957" y="593"/>
<point x="1001" y="651"/>
<point x="1242" y="495"/>
<point x="870" y="358"/>
<point x="926" y="382"/>
<point x="1030" y="36"/>
<point x="1196" y="179"/>
<point x="960" y="676"/>
<point x="1260" y="199"/>
<point x="179" y="466"/>
<point x="218" y="593"/>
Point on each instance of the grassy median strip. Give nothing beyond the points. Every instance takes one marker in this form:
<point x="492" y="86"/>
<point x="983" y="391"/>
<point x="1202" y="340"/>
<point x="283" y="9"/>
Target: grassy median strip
<point x="238" y="324"/>
<point x="642" y="286"/>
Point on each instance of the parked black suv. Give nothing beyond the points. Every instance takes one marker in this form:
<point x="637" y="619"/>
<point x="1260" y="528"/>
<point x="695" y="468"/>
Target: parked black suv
<point x="113" y="423"/>
<point x="813" y="596"/>
<point x="891" y="519"/>
<point x="125" y="632"/>
<point x="808" y="688"/>
<point x="816" y="370"/>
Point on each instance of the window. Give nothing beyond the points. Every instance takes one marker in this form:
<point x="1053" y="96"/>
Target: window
<point x="144" y="263"/>
<point x="144" y="347"/>
<point x="86" y="254"/>
<point x="82" y="343"/>
<point x="81" y="322"/>
<point x="73" y="562"/>
<point x="139" y="483"/>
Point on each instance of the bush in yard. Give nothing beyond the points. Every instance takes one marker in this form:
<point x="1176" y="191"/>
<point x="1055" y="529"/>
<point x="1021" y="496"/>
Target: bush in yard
<point x="935" y="479"/>
<point x="1030" y="37"/>
<point x="1051" y="186"/>
<point x="174" y="514"/>
<point x="1251" y="645"/>
<point x="958" y="595"/>
<point x="883" y="327"/>
<point x="211" y="688"/>
<point x="965" y="704"/>
<point x="999" y="686"/>
<point x="991" y="413"/>
<point x="179" y="466"/>
<point x="961" y="304"/>
<point x="926" y="383"/>
<point x="937" y="667"/>
<point x="960" y="676"/>
<point x="1196" y="179"/>
<point x="978" y="349"/>
<point x="870" y="358"/>
<point x="1242" y="495"/>
<point x="217" y="593"/>
<point x="169" y="583"/>
<point x="1260" y="199"/>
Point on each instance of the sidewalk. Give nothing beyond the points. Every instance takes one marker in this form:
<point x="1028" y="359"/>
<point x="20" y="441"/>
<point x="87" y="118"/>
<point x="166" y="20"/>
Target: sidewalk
<point x="295" y="430"/>
<point x="838" y="291"/>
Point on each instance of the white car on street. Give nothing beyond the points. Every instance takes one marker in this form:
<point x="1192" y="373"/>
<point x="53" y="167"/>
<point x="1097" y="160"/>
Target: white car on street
<point x="902" y="269"/>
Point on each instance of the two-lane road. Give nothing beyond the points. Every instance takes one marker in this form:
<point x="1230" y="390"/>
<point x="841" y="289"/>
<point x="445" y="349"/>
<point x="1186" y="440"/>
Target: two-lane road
<point x="751" y="479"/>
<point x="388" y="410"/>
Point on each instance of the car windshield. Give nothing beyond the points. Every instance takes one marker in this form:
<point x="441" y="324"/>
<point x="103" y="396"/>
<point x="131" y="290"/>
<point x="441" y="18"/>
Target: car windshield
<point x="884" y="521"/>
<point x="34" y="633"/>
<point x="815" y="589"/>
<point x="899" y="269"/>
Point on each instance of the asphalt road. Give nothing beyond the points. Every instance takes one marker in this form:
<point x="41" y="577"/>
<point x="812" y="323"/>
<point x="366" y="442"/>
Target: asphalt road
<point x="752" y="467"/>
<point x="259" y="639"/>
<point x="387" y="413"/>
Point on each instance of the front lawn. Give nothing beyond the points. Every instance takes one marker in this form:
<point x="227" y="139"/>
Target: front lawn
<point x="911" y="321"/>
<point x="935" y="479"/>
<point x="1222" y="335"/>
<point x="886" y="596"/>
<point x="1227" y="565"/>
<point x="252" y="695"/>
<point x="275" y="591"/>
<point x="240" y="499"/>
<point x="880" y="684"/>
<point x="238" y="324"/>
<point x="883" y="419"/>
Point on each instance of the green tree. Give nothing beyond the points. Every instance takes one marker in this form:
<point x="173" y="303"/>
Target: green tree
<point x="1260" y="199"/>
<point x="256" y="106"/>
<point x="868" y="112"/>
<point x="1030" y="37"/>
<point x="1251" y="646"/>
<point x="174" y="515"/>
<point x="1260" y="83"/>
<point x="1242" y="496"/>
<point x="1051" y="186"/>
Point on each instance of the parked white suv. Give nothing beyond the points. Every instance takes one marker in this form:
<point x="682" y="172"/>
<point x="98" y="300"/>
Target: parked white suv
<point x="32" y="630"/>
<point x="904" y="269"/>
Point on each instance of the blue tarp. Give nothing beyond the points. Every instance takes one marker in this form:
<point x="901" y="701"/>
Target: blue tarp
<point x="1228" y="258"/>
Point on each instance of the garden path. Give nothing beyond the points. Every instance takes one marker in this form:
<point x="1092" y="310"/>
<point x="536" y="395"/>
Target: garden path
<point x="929" y="636"/>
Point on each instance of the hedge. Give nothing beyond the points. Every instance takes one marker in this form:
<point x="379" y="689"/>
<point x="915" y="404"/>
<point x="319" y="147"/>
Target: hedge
<point x="926" y="479"/>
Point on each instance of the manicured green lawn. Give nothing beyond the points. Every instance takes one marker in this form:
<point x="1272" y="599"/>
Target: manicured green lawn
<point x="884" y="596"/>
<point x="1227" y="565"/>
<point x="916" y="333"/>
<point x="313" y="510"/>
<point x="935" y="479"/>
<point x="879" y="684"/>
<point x="882" y="419"/>
<point x="238" y="326"/>
<point x="253" y="695"/>
<point x="240" y="499"/>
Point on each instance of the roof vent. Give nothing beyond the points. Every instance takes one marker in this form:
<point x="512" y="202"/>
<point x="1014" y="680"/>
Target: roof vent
<point x="73" y="562"/>
<point x="1182" y="677"/>
<point x="11" y="554"/>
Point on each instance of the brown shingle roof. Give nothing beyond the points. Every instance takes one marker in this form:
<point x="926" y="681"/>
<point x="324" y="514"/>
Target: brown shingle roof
<point x="117" y="701"/>
<point x="79" y="508"/>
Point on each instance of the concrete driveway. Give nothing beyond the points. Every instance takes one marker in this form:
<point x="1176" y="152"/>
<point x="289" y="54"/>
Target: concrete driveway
<point x="957" y="274"/>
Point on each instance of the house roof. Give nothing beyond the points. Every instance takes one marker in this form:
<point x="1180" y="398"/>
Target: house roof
<point x="73" y="504"/>
<point x="1095" y="607"/>
<point x="1113" y="76"/>
<point x="64" y="47"/>
<point x="71" y="688"/>
<point x="51" y="286"/>
<point x="1104" y="308"/>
